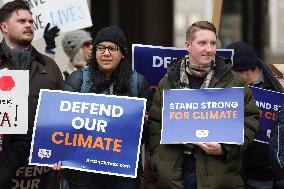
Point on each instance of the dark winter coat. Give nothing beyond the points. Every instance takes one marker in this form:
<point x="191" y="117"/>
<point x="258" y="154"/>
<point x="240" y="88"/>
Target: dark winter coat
<point x="43" y="74"/>
<point x="256" y="162"/>
<point x="213" y="172"/>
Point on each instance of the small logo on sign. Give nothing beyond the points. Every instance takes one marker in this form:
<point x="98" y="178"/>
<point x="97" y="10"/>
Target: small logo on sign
<point x="44" y="153"/>
<point x="202" y="133"/>
<point x="268" y="132"/>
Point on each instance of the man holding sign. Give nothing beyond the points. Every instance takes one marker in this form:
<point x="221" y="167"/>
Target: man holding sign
<point x="17" y="53"/>
<point x="203" y="165"/>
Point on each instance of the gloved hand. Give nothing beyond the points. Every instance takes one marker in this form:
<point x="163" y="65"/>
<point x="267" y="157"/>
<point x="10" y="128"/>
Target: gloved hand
<point x="49" y="36"/>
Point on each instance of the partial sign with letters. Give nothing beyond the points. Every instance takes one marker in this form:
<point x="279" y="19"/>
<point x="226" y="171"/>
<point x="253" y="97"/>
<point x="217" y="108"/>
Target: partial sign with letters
<point x="14" y="87"/>
<point x="88" y="132"/>
<point x="203" y="115"/>
<point x="152" y="61"/>
<point x="268" y="103"/>
<point x="32" y="177"/>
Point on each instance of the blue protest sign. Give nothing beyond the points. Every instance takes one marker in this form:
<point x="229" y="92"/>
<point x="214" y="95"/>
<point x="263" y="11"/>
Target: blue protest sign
<point x="152" y="61"/>
<point x="203" y="115"/>
<point x="88" y="132"/>
<point x="268" y="103"/>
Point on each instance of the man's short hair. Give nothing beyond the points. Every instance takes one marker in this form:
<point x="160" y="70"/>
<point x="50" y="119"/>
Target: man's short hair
<point x="200" y="25"/>
<point x="9" y="7"/>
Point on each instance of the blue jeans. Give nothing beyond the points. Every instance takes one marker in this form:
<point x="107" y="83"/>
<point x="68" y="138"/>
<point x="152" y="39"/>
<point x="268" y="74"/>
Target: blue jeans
<point x="278" y="184"/>
<point x="255" y="184"/>
<point x="64" y="184"/>
<point x="101" y="181"/>
<point x="189" y="172"/>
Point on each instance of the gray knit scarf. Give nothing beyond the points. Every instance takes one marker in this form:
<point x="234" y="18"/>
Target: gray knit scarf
<point x="21" y="58"/>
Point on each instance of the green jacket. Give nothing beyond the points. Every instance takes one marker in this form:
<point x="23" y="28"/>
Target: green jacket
<point x="213" y="172"/>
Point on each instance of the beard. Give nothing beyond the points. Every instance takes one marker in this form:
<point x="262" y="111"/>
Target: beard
<point x="24" y="42"/>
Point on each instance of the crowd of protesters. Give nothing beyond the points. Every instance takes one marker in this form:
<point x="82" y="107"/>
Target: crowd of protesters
<point x="175" y="166"/>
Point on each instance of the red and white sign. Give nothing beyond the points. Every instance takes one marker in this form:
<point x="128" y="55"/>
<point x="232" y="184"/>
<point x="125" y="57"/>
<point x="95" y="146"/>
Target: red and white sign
<point x="14" y="91"/>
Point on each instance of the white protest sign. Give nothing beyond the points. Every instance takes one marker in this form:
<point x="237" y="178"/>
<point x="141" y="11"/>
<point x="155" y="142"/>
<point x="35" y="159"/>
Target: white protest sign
<point x="68" y="15"/>
<point x="14" y="92"/>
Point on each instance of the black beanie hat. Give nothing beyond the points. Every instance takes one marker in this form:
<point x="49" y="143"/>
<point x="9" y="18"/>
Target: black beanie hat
<point x="244" y="57"/>
<point x="112" y="34"/>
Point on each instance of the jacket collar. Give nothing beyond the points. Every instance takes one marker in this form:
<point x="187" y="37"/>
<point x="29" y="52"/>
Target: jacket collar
<point x="222" y="67"/>
<point x="38" y="62"/>
<point x="37" y="56"/>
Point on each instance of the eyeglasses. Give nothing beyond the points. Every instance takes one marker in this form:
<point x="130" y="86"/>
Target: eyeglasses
<point x="112" y="49"/>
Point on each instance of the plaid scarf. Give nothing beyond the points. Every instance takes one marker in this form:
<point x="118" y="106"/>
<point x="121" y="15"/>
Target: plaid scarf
<point x="196" y="71"/>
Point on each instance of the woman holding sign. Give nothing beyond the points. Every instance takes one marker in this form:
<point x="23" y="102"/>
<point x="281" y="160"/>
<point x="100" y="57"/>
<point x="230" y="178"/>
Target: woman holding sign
<point x="111" y="74"/>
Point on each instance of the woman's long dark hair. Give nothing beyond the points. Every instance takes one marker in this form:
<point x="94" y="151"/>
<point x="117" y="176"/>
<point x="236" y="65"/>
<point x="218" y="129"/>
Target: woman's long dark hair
<point x="120" y="77"/>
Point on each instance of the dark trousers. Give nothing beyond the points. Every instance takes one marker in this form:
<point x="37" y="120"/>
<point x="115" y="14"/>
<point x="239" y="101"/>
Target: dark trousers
<point x="189" y="172"/>
<point x="101" y="181"/>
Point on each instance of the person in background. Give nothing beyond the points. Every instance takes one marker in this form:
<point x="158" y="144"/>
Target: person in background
<point x="257" y="171"/>
<point x="249" y="66"/>
<point x="201" y="165"/>
<point x="78" y="46"/>
<point x="17" y="53"/>
<point x="110" y="75"/>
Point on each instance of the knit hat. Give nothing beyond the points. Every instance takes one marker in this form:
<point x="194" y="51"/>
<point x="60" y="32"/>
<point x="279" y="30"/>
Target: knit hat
<point x="112" y="34"/>
<point x="73" y="41"/>
<point x="244" y="57"/>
